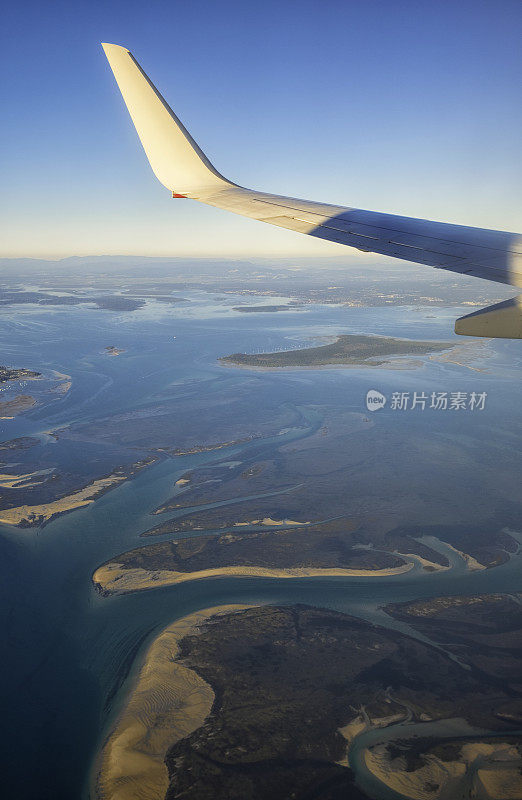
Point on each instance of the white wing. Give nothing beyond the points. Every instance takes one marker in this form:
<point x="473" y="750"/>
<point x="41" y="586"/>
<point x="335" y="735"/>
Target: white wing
<point x="184" y="169"/>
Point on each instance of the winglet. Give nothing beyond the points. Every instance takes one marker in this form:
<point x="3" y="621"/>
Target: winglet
<point x="177" y="161"/>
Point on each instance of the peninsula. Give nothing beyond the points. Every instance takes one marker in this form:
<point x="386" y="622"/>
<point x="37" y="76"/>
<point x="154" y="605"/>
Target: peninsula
<point x="267" y="703"/>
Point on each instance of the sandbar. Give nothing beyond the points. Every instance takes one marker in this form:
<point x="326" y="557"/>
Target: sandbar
<point x="114" y="578"/>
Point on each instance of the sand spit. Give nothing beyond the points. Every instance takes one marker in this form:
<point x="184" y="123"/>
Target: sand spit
<point x="37" y="515"/>
<point x="23" y="481"/>
<point x="268" y="521"/>
<point x="426" y="783"/>
<point x="65" y="382"/>
<point x="429" y="566"/>
<point x="114" y="578"/>
<point x="361" y="723"/>
<point x="350" y="732"/>
<point x="484" y="769"/>
<point x="472" y="564"/>
<point x="167" y="703"/>
<point x="462" y="354"/>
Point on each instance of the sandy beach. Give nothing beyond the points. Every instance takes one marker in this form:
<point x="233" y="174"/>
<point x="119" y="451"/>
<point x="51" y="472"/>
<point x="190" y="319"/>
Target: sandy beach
<point x="492" y="768"/>
<point x="43" y="513"/>
<point x="113" y="578"/>
<point x="167" y="703"/>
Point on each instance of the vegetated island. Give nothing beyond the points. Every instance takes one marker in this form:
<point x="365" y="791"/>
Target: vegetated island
<point x="267" y="703"/>
<point x="261" y="309"/>
<point x="15" y="374"/>
<point x="109" y="302"/>
<point x="321" y="550"/>
<point x="346" y="350"/>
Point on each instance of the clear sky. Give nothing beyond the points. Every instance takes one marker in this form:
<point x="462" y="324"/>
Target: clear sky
<point x="405" y="106"/>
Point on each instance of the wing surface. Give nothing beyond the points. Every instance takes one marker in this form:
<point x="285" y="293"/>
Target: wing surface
<point x="185" y="170"/>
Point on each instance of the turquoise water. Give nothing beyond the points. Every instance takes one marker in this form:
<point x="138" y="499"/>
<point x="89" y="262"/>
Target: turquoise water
<point x="68" y="650"/>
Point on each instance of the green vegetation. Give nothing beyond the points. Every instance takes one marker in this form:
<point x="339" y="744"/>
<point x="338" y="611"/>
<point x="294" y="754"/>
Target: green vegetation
<point x="256" y="309"/>
<point x="345" y="350"/>
<point x="318" y="546"/>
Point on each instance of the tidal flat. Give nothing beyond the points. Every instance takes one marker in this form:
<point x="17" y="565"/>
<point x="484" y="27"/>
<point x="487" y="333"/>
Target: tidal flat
<point x="259" y="448"/>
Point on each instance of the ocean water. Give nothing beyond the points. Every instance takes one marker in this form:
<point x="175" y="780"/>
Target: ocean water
<point x="68" y="653"/>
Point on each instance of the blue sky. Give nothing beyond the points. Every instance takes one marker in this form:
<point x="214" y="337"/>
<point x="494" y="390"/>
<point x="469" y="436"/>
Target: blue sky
<point x="405" y="106"/>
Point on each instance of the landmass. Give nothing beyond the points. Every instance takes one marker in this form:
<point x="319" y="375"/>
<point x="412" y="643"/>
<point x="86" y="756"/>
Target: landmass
<point x="204" y="448"/>
<point x="26" y="516"/>
<point x="261" y="309"/>
<point x="485" y="630"/>
<point x="21" y="443"/>
<point x="11" y="408"/>
<point x="322" y="550"/>
<point x="267" y="703"/>
<point x="333" y="472"/>
<point x="346" y="350"/>
<point x="426" y="770"/>
<point x="109" y="302"/>
<point x="17" y="374"/>
<point x="168" y="702"/>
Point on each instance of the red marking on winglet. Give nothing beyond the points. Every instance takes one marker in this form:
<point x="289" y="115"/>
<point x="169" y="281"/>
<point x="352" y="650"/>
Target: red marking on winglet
<point x="174" y="194"/>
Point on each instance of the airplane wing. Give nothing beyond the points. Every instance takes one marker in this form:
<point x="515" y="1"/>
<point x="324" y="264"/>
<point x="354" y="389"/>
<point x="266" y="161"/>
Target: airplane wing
<point x="185" y="170"/>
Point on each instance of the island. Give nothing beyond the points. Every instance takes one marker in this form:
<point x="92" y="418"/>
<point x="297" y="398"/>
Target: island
<point x="322" y="550"/>
<point x="261" y="309"/>
<point x="11" y="408"/>
<point x="111" y="350"/>
<point x="345" y="350"/>
<point x="17" y="374"/>
<point x="110" y="302"/>
<point x="273" y="702"/>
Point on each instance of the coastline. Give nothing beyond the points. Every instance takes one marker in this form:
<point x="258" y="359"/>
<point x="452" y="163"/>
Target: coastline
<point x="29" y="516"/>
<point x="294" y="368"/>
<point x="110" y="579"/>
<point x="26" y="516"/>
<point x="167" y="703"/>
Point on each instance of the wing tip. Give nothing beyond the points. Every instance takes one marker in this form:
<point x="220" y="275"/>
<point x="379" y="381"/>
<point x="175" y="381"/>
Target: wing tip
<point x="113" y="48"/>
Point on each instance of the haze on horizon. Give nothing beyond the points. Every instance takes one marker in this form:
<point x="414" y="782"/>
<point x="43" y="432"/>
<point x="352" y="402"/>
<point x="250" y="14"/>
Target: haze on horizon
<point x="403" y="107"/>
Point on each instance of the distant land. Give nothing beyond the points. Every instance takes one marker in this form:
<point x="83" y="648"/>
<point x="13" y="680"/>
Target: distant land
<point x="359" y="282"/>
<point x="110" y="303"/>
<point x="17" y="374"/>
<point x="19" y="404"/>
<point x="267" y="309"/>
<point x="346" y="350"/>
